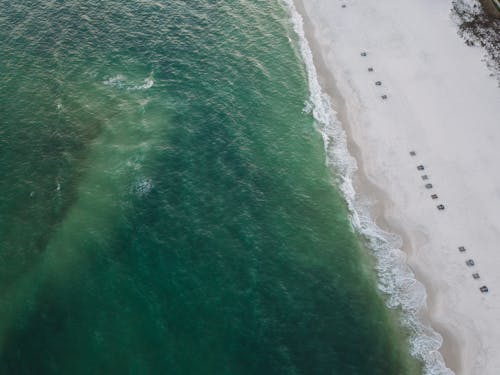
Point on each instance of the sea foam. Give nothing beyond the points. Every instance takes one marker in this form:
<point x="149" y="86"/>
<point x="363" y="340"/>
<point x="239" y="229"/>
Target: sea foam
<point x="395" y="279"/>
<point x="120" y="81"/>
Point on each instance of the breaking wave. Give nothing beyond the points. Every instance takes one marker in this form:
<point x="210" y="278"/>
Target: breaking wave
<point x="120" y="81"/>
<point x="395" y="279"/>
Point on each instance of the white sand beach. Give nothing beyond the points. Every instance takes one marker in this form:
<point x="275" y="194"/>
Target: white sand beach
<point x="442" y="103"/>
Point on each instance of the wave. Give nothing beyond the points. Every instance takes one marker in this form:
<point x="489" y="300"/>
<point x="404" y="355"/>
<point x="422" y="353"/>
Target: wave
<point x="120" y="81"/>
<point x="395" y="278"/>
<point x="143" y="186"/>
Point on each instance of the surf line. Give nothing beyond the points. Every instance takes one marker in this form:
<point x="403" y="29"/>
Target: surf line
<point x="401" y="287"/>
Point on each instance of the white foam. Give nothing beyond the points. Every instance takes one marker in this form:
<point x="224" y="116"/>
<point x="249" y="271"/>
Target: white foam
<point x="143" y="186"/>
<point x="308" y="107"/>
<point x="148" y="83"/>
<point x="116" y="81"/>
<point x="396" y="280"/>
<point x="119" y="81"/>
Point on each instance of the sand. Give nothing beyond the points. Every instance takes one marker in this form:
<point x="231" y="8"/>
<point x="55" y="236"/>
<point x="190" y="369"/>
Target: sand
<point x="443" y="104"/>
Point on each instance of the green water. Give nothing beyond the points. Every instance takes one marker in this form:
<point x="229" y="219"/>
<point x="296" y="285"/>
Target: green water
<point x="165" y="207"/>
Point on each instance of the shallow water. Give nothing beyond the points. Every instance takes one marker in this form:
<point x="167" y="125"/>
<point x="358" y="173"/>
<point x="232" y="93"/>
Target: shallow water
<point x="165" y="205"/>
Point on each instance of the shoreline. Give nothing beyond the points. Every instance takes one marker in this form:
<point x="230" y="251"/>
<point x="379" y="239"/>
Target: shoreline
<point x="365" y="187"/>
<point x="463" y="346"/>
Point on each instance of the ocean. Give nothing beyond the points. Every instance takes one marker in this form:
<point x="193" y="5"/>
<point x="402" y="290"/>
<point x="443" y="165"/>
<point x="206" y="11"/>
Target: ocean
<point x="165" y="204"/>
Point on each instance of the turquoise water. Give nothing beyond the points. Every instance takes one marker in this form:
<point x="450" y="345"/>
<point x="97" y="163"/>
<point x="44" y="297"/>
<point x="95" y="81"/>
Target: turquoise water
<point x="165" y="207"/>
